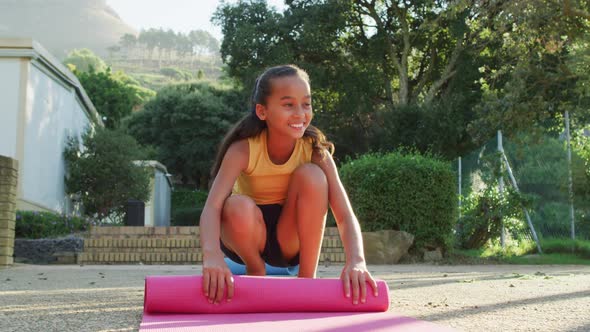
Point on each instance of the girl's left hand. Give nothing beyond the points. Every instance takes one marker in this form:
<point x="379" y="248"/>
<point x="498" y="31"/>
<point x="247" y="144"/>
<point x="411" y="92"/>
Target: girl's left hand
<point x="355" y="275"/>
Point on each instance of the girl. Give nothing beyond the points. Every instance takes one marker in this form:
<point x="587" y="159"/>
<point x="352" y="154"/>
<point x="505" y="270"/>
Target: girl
<point x="273" y="180"/>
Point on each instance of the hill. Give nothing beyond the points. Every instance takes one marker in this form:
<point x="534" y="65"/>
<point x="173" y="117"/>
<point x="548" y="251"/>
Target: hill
<point x="64" y="25"/>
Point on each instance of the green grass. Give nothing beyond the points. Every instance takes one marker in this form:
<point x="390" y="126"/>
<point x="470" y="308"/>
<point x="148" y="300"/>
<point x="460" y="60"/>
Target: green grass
<point x="555" y="251"/>
<point x="580" y="248"/>
<point x="544" y="259"/>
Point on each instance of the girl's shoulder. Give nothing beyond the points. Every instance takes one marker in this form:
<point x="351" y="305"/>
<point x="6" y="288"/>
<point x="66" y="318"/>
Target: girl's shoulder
<point x="239" y="147"/>
<point x="238" y="153"/>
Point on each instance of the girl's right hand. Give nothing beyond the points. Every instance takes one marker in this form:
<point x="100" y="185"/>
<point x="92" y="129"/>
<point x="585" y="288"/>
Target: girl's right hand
<point x="216" y="278"/>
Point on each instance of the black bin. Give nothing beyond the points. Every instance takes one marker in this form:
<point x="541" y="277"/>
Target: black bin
<point x="134" y="213"/>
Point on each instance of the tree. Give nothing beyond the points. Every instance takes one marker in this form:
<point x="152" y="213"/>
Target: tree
<point x="372" y="61"/>
<point x="112" y="98"/>
<point x="102" y="172"/>
<point x="202" y="41"/>
<point x="365" y="58"/>
<point x="84" y="59"/>
<point x="186" y="123"/>
<point x="535" y="75"/>
<point x="149" y="38"/>
<point x="128" y="42"/>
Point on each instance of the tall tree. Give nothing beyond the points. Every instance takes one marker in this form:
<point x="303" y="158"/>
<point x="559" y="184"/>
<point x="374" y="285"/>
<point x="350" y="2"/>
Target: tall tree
<point x="371" y="60"/>
<point x="186" y="123"/>
<point x="113" y="98"/>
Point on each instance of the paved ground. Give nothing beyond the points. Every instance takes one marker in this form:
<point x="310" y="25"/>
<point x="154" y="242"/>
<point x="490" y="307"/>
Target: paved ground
<point x="469" y="298"/>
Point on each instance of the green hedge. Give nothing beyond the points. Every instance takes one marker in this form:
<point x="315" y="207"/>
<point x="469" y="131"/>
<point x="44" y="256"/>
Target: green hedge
<point x="186" y="216"/>
<point x="38" y="225"/>
<point x="404" y="191"/>
<point x="184" y="198"/>
<point x="187" y="205"/>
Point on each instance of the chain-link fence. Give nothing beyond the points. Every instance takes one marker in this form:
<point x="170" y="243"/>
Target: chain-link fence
<point x="545" y="183"/>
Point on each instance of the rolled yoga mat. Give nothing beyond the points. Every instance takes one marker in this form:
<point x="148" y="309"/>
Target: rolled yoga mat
<point x="177" y="303"/>
<point x="240" y="269"/>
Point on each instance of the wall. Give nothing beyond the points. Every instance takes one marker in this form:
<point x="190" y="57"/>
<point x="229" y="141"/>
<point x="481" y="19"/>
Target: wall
<point x="9" y="88"/>
<point x="52" y="114"/>
<point x="8" y="183"/>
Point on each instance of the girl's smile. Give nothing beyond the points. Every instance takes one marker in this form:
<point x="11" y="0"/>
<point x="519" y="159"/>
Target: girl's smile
<point x="288" y="105"/>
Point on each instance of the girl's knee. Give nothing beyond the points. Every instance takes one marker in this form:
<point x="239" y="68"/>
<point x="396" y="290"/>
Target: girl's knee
<point x="311" y="175"/>
<point x="240" y="211"/>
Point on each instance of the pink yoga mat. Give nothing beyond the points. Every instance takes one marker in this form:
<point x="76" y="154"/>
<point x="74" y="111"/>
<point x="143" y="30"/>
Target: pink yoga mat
<point x="176" y="303"/>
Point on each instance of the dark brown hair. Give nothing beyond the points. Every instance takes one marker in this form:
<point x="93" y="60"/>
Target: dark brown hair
<point x="250" y="125"/>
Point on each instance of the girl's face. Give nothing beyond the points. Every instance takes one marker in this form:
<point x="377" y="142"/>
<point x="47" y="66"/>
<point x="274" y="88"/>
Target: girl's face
<point x="288" y="107"/>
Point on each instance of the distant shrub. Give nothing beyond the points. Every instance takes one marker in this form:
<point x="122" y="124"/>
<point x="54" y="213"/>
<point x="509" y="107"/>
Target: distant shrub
<point x="175" y="73"/>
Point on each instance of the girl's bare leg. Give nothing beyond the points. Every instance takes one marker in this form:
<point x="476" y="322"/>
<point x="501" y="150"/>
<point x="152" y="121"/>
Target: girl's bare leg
<point x="302" y="221"/>
<point x="243" y="231"/>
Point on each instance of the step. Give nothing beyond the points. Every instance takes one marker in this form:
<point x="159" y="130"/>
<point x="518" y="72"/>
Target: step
<point x="109" y="242"/>
<point x="138" y="231"/>
<point x="172" y="258"/>
<point x="137" y="257"/>
<point x="133" y="231"/>
<point x="170" y="242"/>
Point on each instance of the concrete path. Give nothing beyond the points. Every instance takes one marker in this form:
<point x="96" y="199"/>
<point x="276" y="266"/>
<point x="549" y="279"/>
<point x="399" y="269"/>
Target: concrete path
<point x="469" y="298"/>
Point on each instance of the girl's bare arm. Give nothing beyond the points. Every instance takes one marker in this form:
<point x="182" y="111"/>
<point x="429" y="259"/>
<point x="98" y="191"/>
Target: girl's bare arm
<point x="216" y="274"/>
<point x="355" y="270"/>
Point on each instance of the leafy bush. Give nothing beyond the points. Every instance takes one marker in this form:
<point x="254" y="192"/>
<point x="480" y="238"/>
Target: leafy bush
<point x="83" y="60"/>
<point x="404" y="191"/>
<point x="103" y="174"/>
<point x="483" y="213"/>
<point x="37" y="225"/>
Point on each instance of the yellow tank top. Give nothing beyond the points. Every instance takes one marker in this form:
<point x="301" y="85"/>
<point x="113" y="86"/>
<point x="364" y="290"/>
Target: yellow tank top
<point x="264" y="181"/>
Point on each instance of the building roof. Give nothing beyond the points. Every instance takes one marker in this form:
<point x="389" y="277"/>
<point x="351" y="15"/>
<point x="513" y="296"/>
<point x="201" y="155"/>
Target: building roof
<point x="29" y="48"/>
<point x="156" y="165"/>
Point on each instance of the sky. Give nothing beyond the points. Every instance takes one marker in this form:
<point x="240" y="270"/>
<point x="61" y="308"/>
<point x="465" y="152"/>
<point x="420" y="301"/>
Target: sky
<point x="178" y="15"/>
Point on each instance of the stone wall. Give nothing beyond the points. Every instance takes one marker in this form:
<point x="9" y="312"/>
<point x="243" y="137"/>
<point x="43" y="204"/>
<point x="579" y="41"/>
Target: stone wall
<point x="47" y="251"/>
<point x="8" y="187"/>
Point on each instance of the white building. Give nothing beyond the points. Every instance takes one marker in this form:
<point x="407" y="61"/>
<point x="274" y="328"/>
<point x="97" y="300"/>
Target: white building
<point x="41" y="104"/>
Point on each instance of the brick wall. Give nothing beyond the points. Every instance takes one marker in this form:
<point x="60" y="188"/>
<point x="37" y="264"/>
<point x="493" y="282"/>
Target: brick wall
<point x="167" y="245"/>
<point x="8" y="182"/>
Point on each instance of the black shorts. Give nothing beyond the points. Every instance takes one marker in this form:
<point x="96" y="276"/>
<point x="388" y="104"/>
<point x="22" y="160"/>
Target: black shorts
<point x="272" y="251"/>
